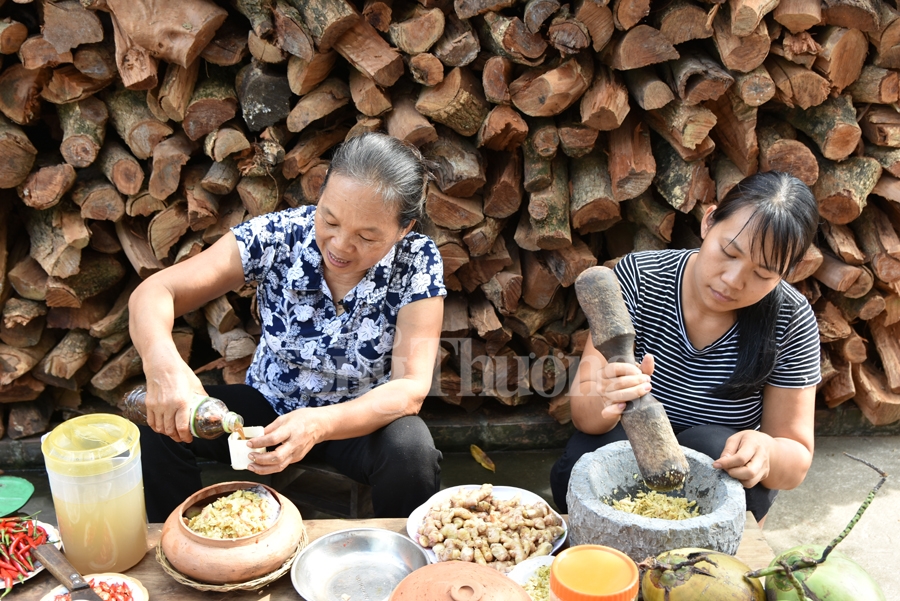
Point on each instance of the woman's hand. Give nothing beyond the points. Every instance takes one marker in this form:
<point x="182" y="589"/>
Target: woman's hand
<point x="622" y="382"/>
<point x="171" y="388"/>
<point x="746" y="457"/>
<point x="293" y="434"/>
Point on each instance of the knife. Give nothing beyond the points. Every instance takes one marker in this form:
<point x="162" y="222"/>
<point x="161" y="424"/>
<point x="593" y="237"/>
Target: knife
<point x="57" y="564"/>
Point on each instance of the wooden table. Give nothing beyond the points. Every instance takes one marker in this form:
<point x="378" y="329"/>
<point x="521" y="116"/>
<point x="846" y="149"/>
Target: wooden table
<point x="754" y="551"/>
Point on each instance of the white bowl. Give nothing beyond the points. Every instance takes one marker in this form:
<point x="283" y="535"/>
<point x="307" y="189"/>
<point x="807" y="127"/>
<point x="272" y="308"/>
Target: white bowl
<point x="525" y="570"/>
<point x="417" y="517"/>
<point x="138" y="592"/>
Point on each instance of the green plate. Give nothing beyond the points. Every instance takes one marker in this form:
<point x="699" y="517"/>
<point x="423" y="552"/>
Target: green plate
<point x="14" y="493"/>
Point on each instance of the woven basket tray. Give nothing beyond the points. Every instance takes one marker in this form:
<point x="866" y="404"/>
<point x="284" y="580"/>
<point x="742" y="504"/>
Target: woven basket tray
<point x="250" y="585"/>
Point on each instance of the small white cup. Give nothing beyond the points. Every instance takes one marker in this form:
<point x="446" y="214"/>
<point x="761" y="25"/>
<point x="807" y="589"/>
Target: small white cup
<point x="238" y="448"/>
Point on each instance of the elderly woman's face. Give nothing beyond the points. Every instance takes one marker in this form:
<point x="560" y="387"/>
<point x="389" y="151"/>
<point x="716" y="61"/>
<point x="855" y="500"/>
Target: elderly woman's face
<point x="354" y="227"/>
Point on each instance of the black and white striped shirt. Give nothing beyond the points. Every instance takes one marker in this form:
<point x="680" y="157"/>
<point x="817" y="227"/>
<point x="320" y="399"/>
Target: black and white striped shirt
<point x="683" y="375"/>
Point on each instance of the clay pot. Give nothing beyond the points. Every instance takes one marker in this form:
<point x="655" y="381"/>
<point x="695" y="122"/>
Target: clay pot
<point x="458" y="581"/>
<point x="227" y="561"/>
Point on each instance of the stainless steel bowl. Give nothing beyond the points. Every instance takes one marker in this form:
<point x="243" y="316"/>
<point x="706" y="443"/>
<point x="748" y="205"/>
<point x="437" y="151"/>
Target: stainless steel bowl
<point x="362" y="563"/>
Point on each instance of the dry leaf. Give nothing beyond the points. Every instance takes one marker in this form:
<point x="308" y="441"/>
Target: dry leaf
<point x="482" y="458"/>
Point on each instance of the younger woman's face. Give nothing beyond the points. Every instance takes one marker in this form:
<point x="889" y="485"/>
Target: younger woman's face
<point x="354" y="227"/>
<point x="728" y="275"/>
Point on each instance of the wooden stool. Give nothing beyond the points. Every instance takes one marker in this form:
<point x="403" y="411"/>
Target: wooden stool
<point x="322" y="489"/>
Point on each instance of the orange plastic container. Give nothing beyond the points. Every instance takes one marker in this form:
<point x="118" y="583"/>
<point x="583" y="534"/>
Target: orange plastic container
<point x="593" y="573"/>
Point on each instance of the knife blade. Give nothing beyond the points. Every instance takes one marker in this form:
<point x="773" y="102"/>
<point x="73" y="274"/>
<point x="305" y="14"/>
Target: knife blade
<point x="57" y="564"/>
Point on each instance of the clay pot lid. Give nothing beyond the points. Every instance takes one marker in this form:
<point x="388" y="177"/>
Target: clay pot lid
<point x="458" y="581"/>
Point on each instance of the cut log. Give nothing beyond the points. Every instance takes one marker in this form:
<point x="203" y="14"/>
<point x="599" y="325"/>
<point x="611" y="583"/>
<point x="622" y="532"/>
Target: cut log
<point x="458" y="45"/>
<point x="747" y="14"/>
<point x="221" y="178"/>
<point x="697" y="78"/>
<point x="365" y="50"/>
<point x="136" y="66"/>
<point x="231" y="213"/>
<point x="863" y="308"/>
<point x="117" y="370"/>
<point x="327" y="20"/>
<point x="378" y="13"/>
<point x="853" y="14"/>
<point x="25" y="388"/>
<point x="425" y="68"/>
<point x="502" y="129"/>
<point x="886" y="37"/>
<point x="888" y="157"/>
<point x="874" y="397"/>
<point x="62" y="366"/>
<point x="220" y="314"/>
<point x="12" y="34"/>
<point x="406" y="123"/>
<point x="881" y="126"/>
<point x="836" y="274"/>
<point x="16" y="362"/>
<point x="648" y="212"/>
<point x="631" y="163"/>
<point x="22" y="322"/>
<point x="842" y="242"/>
<point x="568" y="262"/>
<point x="842" y="56"/>
<point x="134" y="122"/>
<point x="832" y="126"/>
<point x="166" y="228"/>
<point x="304" y="76"/>
<point x="20" y="93"/>
<point x="116" y="321"/>
<point x="738" y="53"/>
<point x="875" y="85"/>
<point x="504" y="291"/>
<point x="261" y="194"/>
<point x="310" y="146"/>
<point x="779" y="152"/>
<point x="528" y="320"/>
<point x="605" y="104"/>
<point x="726" y="176"/>
<point x="480" y="270"/>
<point x="798" y="15"/>
<point x="509" y="37"/>
<point x="177" y="88"/>
<point x="851" y="349"/>
<point x="593" y="207"/>
<point x="685" y="127"/>
<point x="796" y="85"/>
<point x="367" y="97"/>
<point x="640" y="46"/>
<point x="57" y="236"/>
<point x="481" y="238"/>
<point x="879" y="241"/>
<point x="451" y="212"/>
<point x="539" y="284"/>
<point x="887" y="343"/>
<point x="28" y="419"/>
<point x="68" y="25"/>
<point x="567" y="34"/>
<point x="450" y="245"/>
<point x="544" y="93"/>
<point x="329" y="96"/>
<point x="36" y="52"/>
<point x="228" y="47"/>
<point x="84" y="130"/>
<point x="548" y="209"/>
<point x="121" y="168"/>
<point x="187" y="27"/>
<point x="648" y="90"/>
<point x="503" y="188"/>
<point x="483" y="319"/>
<point x="103" y="237"/>
<point x="417" y="30"/>
<point x="537" y="169"/>
<point x="290" y="31"/>
<point x="213" y="102"/>
<point x="683" y="184"/>
<point x="68" y="84"/>
<point x="458" y="166"/>
<point x="842" y="188"/>
<point x="597" y="17"/>
<point x="458" y="102"/>
<point x="169" y="157"/>
<point x="225" y="141"/>
<point x="536" y="12"/>
<point x="576" y="139"/>
<point x="832" y="324"/>
<point x="29" y="279"/>
<point x="99" y="200"/>
<point x="735" y="130"/>
<point x="264" y="95"/>
<point x="544" y="139"/>
<point x="808" y="264"/>
<point x="755" y="87"/>
<point x="45" y="186"/>
<point x="495" y="79"/>
<point x="681" y="21"/>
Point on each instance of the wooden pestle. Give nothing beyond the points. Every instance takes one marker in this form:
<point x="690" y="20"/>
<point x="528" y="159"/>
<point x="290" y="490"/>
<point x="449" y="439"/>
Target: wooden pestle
<point x="659" y="456"/>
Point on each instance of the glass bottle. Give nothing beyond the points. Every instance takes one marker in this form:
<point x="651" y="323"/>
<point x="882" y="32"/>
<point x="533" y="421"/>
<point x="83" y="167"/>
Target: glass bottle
<point x="210" y="418"/>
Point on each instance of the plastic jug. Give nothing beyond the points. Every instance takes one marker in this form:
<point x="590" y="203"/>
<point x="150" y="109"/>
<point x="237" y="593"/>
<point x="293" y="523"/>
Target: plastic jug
<point x="94" y="467"/>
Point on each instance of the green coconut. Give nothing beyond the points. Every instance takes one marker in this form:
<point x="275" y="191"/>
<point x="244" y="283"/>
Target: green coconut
<point x="690" y="574"/>
<point x="838" y="578"/>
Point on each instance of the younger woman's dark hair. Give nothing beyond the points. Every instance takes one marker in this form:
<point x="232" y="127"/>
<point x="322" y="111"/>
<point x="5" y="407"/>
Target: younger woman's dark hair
<point x="782" y="225"/>
<point x="395" y="169"/>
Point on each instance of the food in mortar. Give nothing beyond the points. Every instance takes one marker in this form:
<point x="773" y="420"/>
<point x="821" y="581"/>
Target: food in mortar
<point x="474" y="526"/>
<point x="655" y="505"/>
<point x="538" y="586"/>
<point x="241" y="513"/>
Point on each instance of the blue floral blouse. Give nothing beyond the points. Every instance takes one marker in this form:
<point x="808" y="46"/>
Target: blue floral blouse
<point x="308" y="355"/>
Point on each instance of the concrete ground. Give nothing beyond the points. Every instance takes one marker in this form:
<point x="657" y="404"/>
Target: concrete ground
<point x="815" y="512"/>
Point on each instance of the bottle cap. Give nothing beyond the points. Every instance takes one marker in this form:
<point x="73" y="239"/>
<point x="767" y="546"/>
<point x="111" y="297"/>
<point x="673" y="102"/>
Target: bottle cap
<point x="594" y="573"/>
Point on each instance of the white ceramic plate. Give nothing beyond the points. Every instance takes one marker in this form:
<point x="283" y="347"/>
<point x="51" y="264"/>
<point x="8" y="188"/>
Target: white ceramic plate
<point x="52" y="537"/>
<point x="525" y="570"/>
<point x="138" y="592"/>
<point x="417" y="517"/>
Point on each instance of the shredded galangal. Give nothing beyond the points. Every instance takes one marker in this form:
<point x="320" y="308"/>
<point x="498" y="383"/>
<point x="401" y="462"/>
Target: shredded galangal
<point x="655" y="505"/>
<point x="242" y="513"/>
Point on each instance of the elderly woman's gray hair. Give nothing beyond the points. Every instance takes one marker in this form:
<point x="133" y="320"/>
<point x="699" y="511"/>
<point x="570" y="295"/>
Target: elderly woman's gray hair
<point x="395" y="169"/>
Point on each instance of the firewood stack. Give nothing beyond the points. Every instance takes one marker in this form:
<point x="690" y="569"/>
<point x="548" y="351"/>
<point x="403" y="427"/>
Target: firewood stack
<point x="135" y="132"/>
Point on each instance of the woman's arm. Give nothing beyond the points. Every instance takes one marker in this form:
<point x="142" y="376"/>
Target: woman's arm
<point x="152" y="310"/>
<point x="599" y="390"/>
<point x="412" y="367"/>
<point x="779" y="454"/>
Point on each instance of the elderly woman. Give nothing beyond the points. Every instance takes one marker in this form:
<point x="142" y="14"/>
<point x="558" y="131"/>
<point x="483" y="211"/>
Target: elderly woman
<point x="350" y="303"/>
<point x="728" y="347"/>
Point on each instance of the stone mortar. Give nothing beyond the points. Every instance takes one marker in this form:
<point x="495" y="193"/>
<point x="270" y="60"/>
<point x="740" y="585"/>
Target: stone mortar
<point x="609" y="474"/>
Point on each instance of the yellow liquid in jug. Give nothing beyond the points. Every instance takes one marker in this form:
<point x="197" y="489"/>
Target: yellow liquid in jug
<point x="108" y="536"/>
